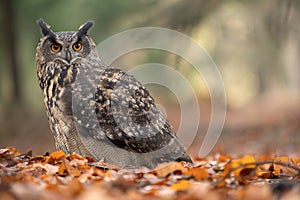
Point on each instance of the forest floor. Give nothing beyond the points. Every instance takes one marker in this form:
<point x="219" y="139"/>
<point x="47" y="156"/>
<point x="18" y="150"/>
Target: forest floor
<point x="256" y="157"/>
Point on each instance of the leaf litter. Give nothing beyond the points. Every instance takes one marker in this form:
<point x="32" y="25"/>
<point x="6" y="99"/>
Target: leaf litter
<point x="60" y="176"/>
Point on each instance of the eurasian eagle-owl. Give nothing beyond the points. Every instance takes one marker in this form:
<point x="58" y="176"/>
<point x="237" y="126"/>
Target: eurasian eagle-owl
<point x="97" y="110"/>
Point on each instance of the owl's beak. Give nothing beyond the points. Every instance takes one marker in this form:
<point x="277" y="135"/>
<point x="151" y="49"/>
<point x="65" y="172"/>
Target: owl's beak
<point x="68" y="56"/>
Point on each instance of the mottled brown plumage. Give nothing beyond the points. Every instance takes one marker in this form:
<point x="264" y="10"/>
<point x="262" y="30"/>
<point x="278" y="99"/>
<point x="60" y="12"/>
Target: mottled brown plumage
<point x="97" y="110"/>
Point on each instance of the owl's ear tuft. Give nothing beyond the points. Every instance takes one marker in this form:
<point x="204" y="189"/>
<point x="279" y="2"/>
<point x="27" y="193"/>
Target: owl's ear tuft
<point x="45" y="28"/>
<point x="83" y="29"/>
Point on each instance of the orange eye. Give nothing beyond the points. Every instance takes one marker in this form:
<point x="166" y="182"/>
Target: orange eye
<point x="77" y="46"/>
<point x="55" y="48"/>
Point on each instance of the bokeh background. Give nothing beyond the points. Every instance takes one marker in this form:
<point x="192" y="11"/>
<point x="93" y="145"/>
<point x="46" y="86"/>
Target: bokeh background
<point x="255" y="44"/>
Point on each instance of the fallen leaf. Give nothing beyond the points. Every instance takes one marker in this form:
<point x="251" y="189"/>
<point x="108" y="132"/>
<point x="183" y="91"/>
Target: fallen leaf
<point x="75" y="156"/>
<point x="181" y="185"/>
<point x="279" y="169"/>
<point x="57" y="155"/>
<point x="164" y="169"/>
<point x="62" y="170"/>
<point x="242" y="163"/>
<point x="199" y="173"/>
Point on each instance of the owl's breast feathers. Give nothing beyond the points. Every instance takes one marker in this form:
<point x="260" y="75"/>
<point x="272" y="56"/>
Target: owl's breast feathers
<point x="56" y="83"/>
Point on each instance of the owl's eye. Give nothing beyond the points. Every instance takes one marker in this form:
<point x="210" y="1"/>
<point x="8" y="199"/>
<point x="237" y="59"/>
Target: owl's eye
<point x="77" y="46"/>
<point x="55" y="48"/>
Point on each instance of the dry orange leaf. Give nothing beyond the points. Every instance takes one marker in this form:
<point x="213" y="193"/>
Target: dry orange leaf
<point x="263" y="174"/>
<point x="62" y="169"/>
<point x="296" y="161"/>
<point x="74" y="156"/>
<point x="241" y="164"/>
<point x="278" y="169"/>
<point x="199" y="173"/>
<point x="220" y="177"/>
<point x="66" y="167"/>
<point x="74" y="171"/>
<point x="56" y="155"/>
<point x="165" y="169"/>
<point x="84" y="167"/>
<point x="181" y="185"/>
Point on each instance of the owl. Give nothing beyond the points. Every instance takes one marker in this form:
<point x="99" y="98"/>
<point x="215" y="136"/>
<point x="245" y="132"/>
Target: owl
<point x="97" y="110"/>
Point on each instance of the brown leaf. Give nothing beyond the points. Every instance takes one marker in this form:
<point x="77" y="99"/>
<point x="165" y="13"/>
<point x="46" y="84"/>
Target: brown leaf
<point x="279" y="169"/>
<point x="242" y="163"/>
<point x="199" y="173"/>
<point x="164" y="169"/>
<point x="62" y="170"/>
<point x="220" y="177"/>
<point x="73" y="171"/>
<point x="75" y="156"/>
<point x="57" y="155"/>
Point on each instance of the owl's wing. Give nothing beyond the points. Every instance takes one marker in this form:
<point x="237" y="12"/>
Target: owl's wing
<point x="129" y="119"/>
<point x="128" y="115"/>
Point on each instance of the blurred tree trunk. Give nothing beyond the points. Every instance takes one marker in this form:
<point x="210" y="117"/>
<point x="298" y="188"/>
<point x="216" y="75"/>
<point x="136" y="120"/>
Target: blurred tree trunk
<point x="10" y="49"/>
<point x="277" y="26"/>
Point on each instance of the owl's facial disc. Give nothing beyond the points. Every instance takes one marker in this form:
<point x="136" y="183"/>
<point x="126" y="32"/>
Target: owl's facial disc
<point x="66" y="48"/>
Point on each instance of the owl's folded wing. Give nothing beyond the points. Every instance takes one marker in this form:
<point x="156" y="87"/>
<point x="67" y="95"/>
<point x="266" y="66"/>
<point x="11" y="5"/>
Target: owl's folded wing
<point x="128" y="118"/>
<point x="128" y="115"/>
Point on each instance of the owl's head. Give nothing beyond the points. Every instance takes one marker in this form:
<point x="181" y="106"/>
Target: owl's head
<point x="64" y="48"/>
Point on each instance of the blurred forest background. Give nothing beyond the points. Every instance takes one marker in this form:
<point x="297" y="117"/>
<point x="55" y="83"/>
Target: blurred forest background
<point x="255" y="44"/>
